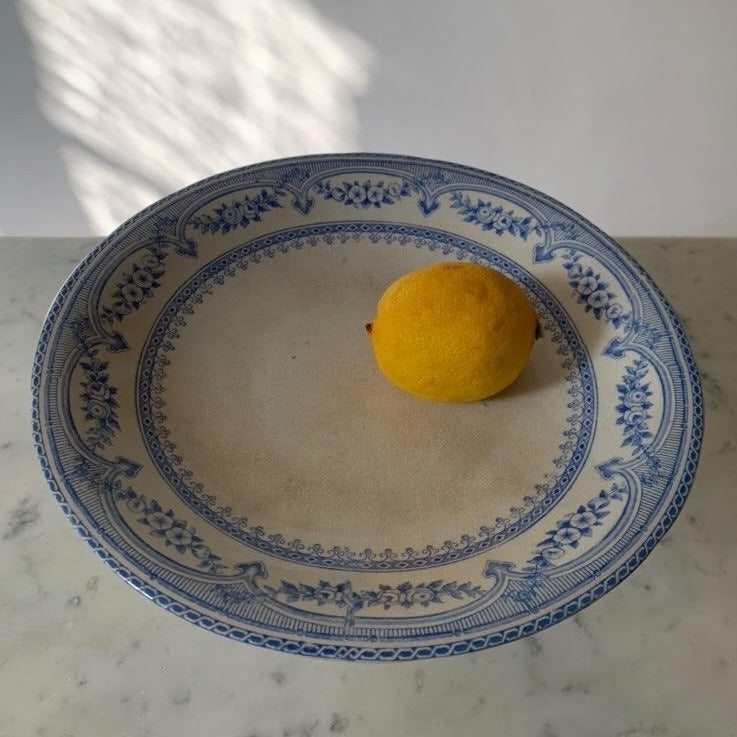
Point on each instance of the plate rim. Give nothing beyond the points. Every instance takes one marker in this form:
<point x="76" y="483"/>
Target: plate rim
<point x="360" y="652"/>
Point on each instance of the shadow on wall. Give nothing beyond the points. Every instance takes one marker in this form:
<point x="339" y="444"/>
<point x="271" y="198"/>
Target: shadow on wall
<point x="153" y="96"/>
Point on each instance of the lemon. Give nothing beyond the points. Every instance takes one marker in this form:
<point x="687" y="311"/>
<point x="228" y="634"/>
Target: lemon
<point x="453" y="332"/>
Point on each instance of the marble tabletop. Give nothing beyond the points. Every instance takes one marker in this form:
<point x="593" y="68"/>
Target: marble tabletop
<point x="82" y="654"/>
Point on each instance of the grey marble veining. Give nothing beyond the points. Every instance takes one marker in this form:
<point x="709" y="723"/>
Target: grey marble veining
<point x="82" y="655"/>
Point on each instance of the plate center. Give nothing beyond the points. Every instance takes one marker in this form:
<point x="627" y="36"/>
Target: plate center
<point x="282" y="422"/>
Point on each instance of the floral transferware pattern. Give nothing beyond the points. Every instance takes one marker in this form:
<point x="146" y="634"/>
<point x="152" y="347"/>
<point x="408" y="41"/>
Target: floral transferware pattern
<point x="570" y="530"/>
<point x="591" y="291"/>
<point x="137" y="285"/>
<point x="496" y="218"/>
<point x="493" y="217"/>
<point x="342" y="595"/>
<point x="237" y="213"/>
<point x="657" y="416"/>
<point x="99" y="402"/>
<point x="173" y="531"/>
<point x="366" y="193"/>
<point x="635" y="401"/>
<point x="405" y="594"/>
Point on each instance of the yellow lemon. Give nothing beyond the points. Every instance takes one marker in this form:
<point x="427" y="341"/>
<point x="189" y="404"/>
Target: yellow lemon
<point x="453" y="332"/>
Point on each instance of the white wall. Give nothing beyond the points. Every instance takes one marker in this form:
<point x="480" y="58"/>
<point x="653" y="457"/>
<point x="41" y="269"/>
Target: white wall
<point x="625" y="110"/>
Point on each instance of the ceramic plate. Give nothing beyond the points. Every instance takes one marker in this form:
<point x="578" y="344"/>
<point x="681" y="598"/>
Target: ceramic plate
<point x="210" y="417"/>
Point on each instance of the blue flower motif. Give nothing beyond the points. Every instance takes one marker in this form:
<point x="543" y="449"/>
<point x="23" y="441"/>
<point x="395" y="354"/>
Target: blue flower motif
<point x="614" y="311"/>
<point x="158" y="520"/>
<point x="590" y="291"/>
<point x="422" y="595"/>
<point x="98" y="390"/>
<point x="375" y="195"/>
<point x="230" y="215"/>
<point x="570" y="529"/>
<point x="636" y="397"/>
<point x="97" y="410"/>
<point x="250" y="209"/>
<point x="587" y="284"/>
<point x="99" y="399"/>
<point x="364" y="194"/>
<point x="356" y="195"/>
<point x="502" y="222"/>
<point x="142" y="278"/>
<point x="132" y="293"/>
<point x="153" y="262"/>
<point x="583" y="520"/>
<point x="567" y="536"/>
<point x="598" y="299"/>
<point x="237" y="213"/>
<point x="484" y="214"/>
<point x="387" y="596"/>
<point x="395" y="190"/>
<point x="552" y="552"/>
<point x="634" y="405"/>
<point x="634" y="416"/>
<point x="492" y="217"/>
<point x="136" y="286"/>
<point x="164" y="524"/>
<point x="136" y="504"/>
<point x="404" y="594"/>
<point x="179" y="536"/>
<point x="327" y="594"/>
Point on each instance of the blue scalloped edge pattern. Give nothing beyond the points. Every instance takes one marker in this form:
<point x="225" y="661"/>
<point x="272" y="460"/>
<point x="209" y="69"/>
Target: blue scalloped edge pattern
<point x="375" y="654"/>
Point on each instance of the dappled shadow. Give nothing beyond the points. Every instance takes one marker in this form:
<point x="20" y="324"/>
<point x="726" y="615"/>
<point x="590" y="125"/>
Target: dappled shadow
<point x="32" y="170"/>
<point x="154" y="96"/>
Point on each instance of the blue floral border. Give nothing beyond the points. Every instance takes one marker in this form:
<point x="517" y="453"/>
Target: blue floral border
<point x="66" y="495"/>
